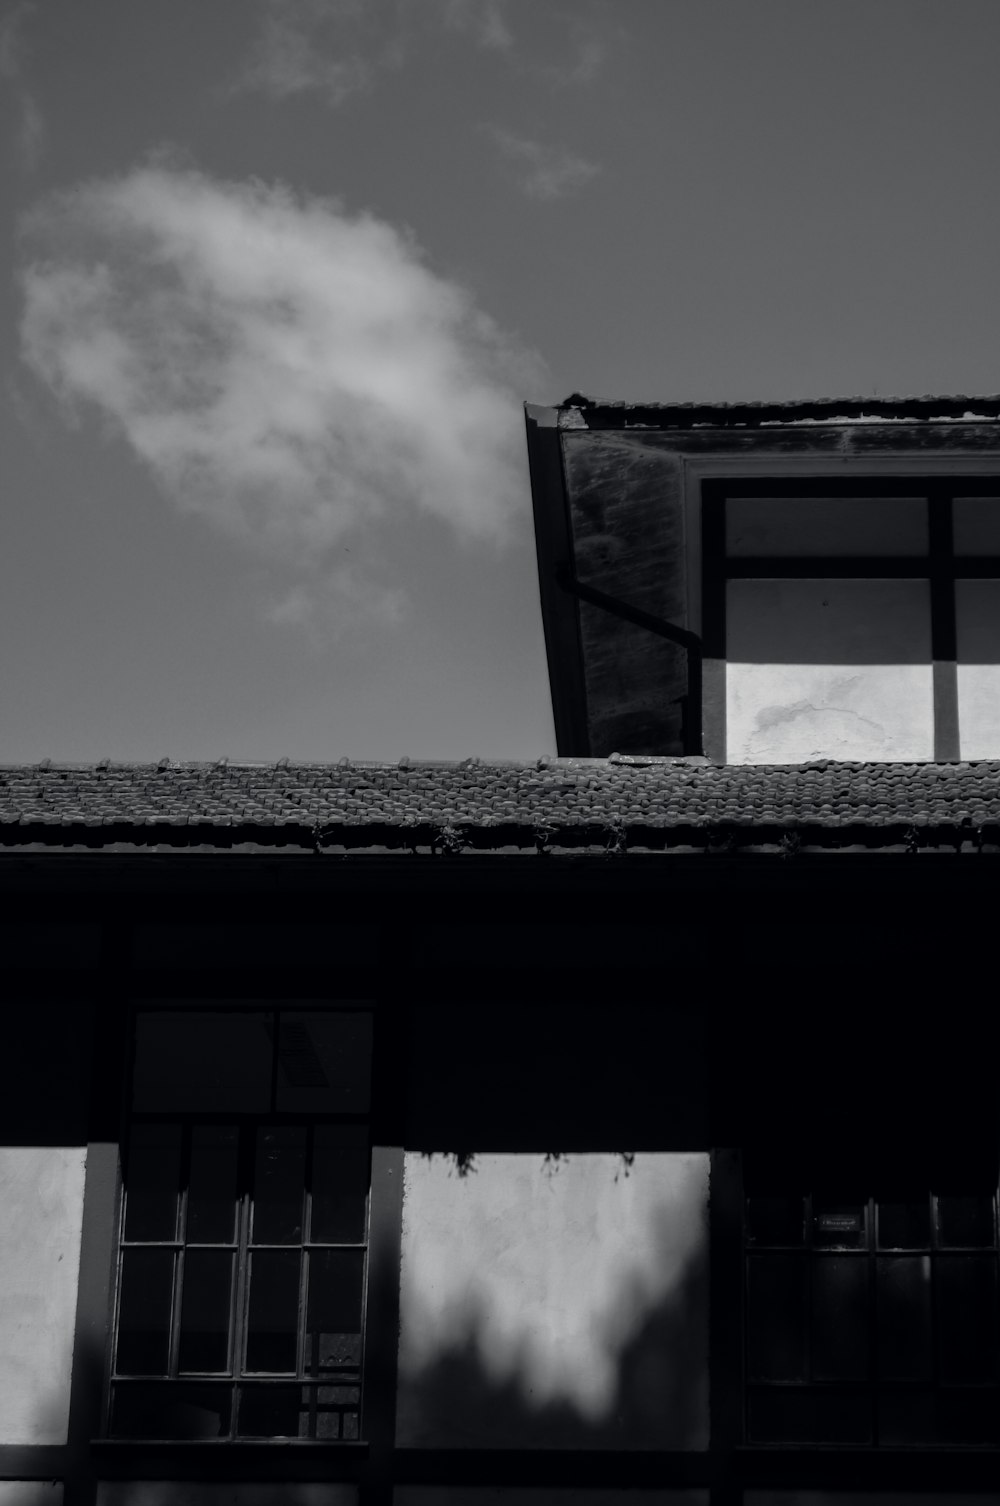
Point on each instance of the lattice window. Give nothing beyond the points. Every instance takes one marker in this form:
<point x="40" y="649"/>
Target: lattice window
<point x="243" y="1248"/>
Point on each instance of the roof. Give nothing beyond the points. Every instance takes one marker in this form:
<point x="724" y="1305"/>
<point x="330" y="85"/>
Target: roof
<point x="585" y="412"/>
<point x="617" y="804"/>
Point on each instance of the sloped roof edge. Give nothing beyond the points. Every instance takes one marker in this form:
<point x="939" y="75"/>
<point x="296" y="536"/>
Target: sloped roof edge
<point x="662" y="802"/>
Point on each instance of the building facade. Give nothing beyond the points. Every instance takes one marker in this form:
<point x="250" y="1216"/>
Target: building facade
<point x="619" y="1127"/>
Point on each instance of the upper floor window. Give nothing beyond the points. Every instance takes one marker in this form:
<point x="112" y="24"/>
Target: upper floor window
<point x="243" y="1250"/>
<point x="855" y="619"/>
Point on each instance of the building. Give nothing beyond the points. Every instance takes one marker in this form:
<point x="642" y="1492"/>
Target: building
<point x="620" y="1127"/>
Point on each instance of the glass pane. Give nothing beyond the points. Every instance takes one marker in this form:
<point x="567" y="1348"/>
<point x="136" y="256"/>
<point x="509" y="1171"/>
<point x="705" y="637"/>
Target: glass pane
<point x="826" y="525"/>
<point x="906" y="1417"/>
<point x="337" y="1411"/>
<point x="144" y="1312"/>
<point x="274" y="1412"/>
<point x="279" y="1185"/>
<point x="904" y="1317"/>
<point x="202" y="1061"/>
<point x="170" y="1409"/>
<point x="776" y="1317"/>
<point x="965" y="1221"/>
<point x="977" y="620"/>
<point x="272" y="1323"/>
<point x="205" y="1303"/>
<point x="839" y="1300"/>
<point x="340" y="1178"/>
<point x="967" y="1317"/>
<point x="333" y="1329"/>
<point x="152" y="1177"/>
<point x="324" y="1061"/>
<point x="968" y="1415"/>
<point x="211" y="1212"/>
<point x="902" y="1225"/>
<point x="791" y="1414"/>
<point x="828" y="669"/>
<point x="976" y="523"/>
<point x="841" y="1225"/>
<point x="775" y="1220"/>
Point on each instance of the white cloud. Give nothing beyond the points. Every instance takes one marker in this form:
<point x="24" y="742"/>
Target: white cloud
<point x="30" y="130"/>
<point x="288" y="371"/>
<point x="484" y="20"/>
<point x="545" y="172"/>
<point x="303" y="45"/>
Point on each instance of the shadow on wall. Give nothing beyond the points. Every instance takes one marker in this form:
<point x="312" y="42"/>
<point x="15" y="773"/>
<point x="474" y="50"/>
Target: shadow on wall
<point x="658" y="1399"/>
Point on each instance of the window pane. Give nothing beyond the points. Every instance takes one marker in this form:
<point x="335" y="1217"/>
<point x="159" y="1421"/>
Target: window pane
<point x="904" y="1317"/>
<point x="211" y="1209"/>
<point x="977" y="620"/>
<point x="828" y="669"/>
<point x="967" y="1317"/>
<point x="776" y="1317"/>
<point x="144" y="1312"/>
<point x="272" y="1323"/>
<point x="791" y="1414"/>
<point x="826" y="525"/>
<point x="274" y="1412"/>
<point x="279" y="1185"/>
<point x="207" y="1283"/>
<point x="906" y="1417"/>
<point x="968" y="1416"/>
<point x="965" y="1221"/>
<point x="839" y="1301"/>
<point x="153" y="1173"/>
<point x="170" y="1409"/>
<point x="841" y="1225"/>
<point x="340" y="1179"/>
<point x="904" y="1224"/>
<point x="324" y="1062"/>
<point x="202" y="1061"/>
<point x="775" y="1220"/>
<point x="333" y="1332"/>
<point x="976" y="523"/>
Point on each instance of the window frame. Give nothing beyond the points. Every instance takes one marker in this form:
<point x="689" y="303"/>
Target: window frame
<point x="873" y="1388"/>
<point x="942" y="568"/>
<point x="242" y="1245"/>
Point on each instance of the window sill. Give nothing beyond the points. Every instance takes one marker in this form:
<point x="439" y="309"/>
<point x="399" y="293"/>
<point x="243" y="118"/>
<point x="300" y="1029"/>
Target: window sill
<point x="227" y="1458"/>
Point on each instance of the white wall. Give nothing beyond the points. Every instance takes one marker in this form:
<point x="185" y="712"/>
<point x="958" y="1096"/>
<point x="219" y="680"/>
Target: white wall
<point x="41" y="1194"/>
<point x="554" y="1304"/>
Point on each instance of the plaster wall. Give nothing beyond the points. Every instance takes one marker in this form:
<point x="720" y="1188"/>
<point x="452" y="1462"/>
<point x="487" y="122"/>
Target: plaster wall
<point x="977" y="620"/>
<point x="41" y="1193"/>
<point x="31" y="1493"/>
<point x="554" y="1303"/>
<point x="200" y="1493"/>
<point x="500" y="1495"/>
<point x="828" y="669"/>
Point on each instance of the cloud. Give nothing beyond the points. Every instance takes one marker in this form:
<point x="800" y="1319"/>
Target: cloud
<point x="484" y="20"/>
<point x="292" y="373"/>
<point x="302" y="46"/>
<point x="546" y="172"/>
<point x="30" y="131"/>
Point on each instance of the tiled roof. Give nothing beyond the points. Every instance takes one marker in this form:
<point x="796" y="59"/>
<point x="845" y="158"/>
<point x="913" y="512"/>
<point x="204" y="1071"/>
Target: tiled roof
<point x="554" y="802"/>
<point x="599" y="414"/>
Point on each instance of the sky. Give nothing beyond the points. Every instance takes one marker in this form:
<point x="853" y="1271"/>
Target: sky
<point x="278" y="275"/>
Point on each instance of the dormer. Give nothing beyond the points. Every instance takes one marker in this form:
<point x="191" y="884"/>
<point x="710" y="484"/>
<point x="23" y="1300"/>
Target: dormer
<point x="771" y="583"/>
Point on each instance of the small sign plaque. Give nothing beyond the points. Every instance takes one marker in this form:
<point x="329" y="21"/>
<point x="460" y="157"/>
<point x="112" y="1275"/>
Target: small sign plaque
<point x="840" y="1223"/>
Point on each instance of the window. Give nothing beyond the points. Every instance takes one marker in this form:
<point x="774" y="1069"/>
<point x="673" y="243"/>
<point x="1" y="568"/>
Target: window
<point x="856" y="619"/>
<point x="242" y="1262"/>
<point x="871" y="1312"/>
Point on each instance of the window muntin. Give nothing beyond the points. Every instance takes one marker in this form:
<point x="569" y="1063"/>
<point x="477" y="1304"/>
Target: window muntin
<point x="854" y="620"/>
<point x="243" y="1248"/>
<point x="872" y="1320"/>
